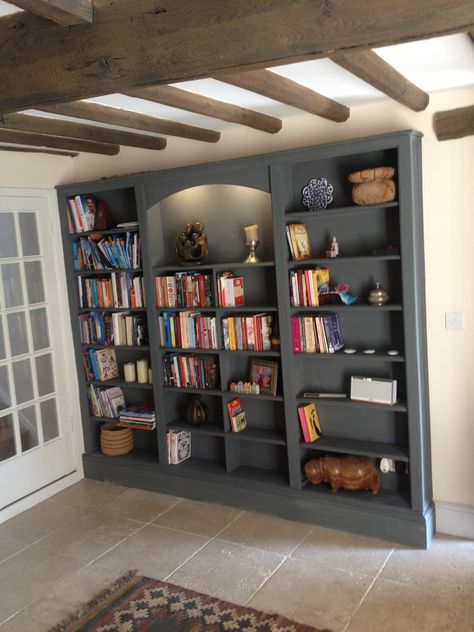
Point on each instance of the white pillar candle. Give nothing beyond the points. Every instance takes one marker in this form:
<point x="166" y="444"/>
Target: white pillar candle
<point x="150" y="376"/>
<point x="129" y="372"/>
<point x="251" y="233"/>
<point x="142" y="371"/>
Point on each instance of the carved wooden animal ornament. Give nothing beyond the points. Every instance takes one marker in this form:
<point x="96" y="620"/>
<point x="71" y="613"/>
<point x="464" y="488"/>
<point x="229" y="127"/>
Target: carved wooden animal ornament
<point x="348" y="472"/>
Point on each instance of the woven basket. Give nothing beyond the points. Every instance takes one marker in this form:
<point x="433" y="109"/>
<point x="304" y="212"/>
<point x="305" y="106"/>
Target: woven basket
<point x="114" y="440"/>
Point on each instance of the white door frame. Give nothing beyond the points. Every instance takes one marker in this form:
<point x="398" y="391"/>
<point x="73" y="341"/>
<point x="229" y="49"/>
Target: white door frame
<point x="67" y="342"/>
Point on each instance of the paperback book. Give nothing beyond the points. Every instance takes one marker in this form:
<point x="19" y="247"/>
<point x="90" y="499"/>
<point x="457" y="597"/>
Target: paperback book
<point x="179" y="446"/>
<point x="309" y="422"/>
<point x="237" y="416"/>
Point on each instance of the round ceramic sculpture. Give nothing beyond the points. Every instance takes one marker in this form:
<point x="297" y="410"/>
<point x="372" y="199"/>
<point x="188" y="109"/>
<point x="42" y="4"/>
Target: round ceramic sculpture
<point x="197" y="412"/>
<point x="317" y="194"/>
<point x="114" y="440"/>
<point x="378" y="296"/>
<point x="191" y="244"/>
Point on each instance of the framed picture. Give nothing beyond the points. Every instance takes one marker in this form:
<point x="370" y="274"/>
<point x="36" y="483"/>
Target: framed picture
<point x="265" y="374"/>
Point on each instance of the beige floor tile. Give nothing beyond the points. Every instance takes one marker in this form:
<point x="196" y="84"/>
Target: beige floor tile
<point x="444" y="607"/>
<point x="68" y="596"/>
<point x="197" y="517"/>
<point x="139" y="504"/>
<point x="9" y="546"/>
<point x="266" y="532"/>
<point x="447" y="557"/>
<point x="228" y="571"/>
<point x="319" y="596"/>
<point x="153" y="551"/>
<point x="90" y="536"/>
<point x="39" y="521"/>
<point x="23" y="623"/>
<point x="88" y="494"/>
<point x="345" y="551"/>
<point x="30" y="574"/>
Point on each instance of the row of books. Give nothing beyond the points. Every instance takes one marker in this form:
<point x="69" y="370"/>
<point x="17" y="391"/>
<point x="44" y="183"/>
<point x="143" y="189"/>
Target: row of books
<point x="247" y="333"/>
<point x="105" y="402"/>
<point x="100" y="364"/>
<point x="81" y="211"/>
<point x="138" y="416"/>
<point x="188" y="330"/>
<point x="309" y="421"/>
<point x="320" y="334"/>
<point x="230" y="290"/>
<point x="184" y="289"/>
<point x="112" y="251"/>
<point x="190" y="371"/>
<point x="306" y="285"/>
<point x="120" y="290"/>
<point x="298" y="242"/>
<point x="118" y="328"/>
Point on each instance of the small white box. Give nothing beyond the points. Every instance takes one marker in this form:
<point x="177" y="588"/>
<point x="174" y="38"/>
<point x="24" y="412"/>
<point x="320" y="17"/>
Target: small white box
<point x="372" y="389"/>
<point x="179" y="446"/>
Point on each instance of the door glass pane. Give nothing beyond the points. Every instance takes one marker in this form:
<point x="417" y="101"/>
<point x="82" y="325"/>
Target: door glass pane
<point x="8" y="247"/>
<point x="23" y="381"/>
<point x="34" y="282"/>
<point x="28" y="428"/>
<point x="39" y="328"/>
<point x="18" y="334"/>
<point x="5" y="397"/>
<point x="12" y="285"/>
<point x="7" y="438"/>
<point x="44" y="373"/>
<point x="2" y="341"/>
<point x="29" y="234"/>
<point x="49" y="418"/>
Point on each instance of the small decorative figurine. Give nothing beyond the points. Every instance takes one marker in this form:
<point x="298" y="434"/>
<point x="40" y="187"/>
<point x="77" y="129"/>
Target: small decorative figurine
<point x="317" y="194"/>
<point x="348" y="472"/>
<point x="334" y="250"/>
<point x="197" y="412"/>
<point x="191" y="244"/>
<point x="251" y="239"/>
<point x="378" y="296"/>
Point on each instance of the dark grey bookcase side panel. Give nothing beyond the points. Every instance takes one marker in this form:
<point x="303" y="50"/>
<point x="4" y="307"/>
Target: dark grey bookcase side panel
<point x="262" y="468"/>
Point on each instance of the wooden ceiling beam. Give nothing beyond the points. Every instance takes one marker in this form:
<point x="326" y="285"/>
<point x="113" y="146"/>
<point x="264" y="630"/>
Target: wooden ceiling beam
<point x="192" y="102"/>
<point x="146" y="42"/>
<point x="64" y="12"/>
<point x="43" y="140"/>
<point x="128" y="118"/>
<point x="454" y="123"/>
<point x="68" y="129"/>
<point x="40" y="150"/>
<point x="375" y="71"/>
<point x="284" y="90"/>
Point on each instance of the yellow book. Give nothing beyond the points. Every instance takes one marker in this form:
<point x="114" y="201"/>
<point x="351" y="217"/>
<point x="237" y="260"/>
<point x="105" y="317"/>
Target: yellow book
<point x="173" y="336"/>
<point x="312" y="421"/>
<point x="232" y="337"/>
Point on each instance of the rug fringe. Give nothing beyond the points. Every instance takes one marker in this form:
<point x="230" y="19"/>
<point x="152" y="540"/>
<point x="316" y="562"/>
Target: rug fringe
<point x="97" y="600"/>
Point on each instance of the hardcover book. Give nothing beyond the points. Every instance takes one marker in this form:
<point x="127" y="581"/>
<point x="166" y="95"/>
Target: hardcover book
<point x="237" y="417"/>
<point x="309" y="422"/>
<point x="179" y="446"/>
<point x="106" y="364"/>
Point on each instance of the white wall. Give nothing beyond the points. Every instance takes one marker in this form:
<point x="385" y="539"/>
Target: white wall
<point x="448" y="189"/>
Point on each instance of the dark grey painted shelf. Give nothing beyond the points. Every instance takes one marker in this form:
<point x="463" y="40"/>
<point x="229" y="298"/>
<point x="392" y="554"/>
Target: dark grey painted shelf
<point x="212" y="266"/>
<point x="350" y="403"/>
<point x="209" y="391"/>
<point x="85" y="345"/>
<point x="105" y="271"/>
<point x="110" y="231"/>
<point x="262" y="435"/>
<point x="355" y="446"/>
<point x="344" y="357"/>
<point x="261" y="396"/>
<point x="391" y="307"/>
<point x="336" y="260"/>
<point x="338" y="211"/>
<point x="121" y="383"/>
<point x="133" y="310"/>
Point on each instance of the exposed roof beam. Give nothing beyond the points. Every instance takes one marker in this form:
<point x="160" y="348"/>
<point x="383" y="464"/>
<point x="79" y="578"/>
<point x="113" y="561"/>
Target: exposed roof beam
<point x="43" y="140"/>
<point x="127" y="118"/>
<point x="43" y="125"/>
<point x="64" y="12"/>
<point x="372" y="69"/>
<point x="31" y="150"/>
<point x="282" y="89"/>
<point x="192" y="102"/>
<point x="139" y="43"/>
<point x="454" y="123"/>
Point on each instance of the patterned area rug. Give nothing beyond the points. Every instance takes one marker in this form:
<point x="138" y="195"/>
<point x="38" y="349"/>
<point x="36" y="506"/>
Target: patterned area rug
<point x="139" y="604"/>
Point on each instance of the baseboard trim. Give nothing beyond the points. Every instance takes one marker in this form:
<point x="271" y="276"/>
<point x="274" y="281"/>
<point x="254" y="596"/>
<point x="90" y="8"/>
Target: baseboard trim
<point x="37" y="497"/>
<point x="455" y="519"/>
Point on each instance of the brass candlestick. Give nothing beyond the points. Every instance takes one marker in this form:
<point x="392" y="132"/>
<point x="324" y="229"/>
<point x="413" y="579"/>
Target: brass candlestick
<point x="253" y="257"/>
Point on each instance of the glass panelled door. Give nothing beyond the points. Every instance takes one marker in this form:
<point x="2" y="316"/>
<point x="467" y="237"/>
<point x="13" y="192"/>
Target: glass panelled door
<point x="36" y="443"/>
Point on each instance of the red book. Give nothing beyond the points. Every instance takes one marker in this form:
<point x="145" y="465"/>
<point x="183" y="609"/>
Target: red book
<point x="295" y="335"/>
<point x="202" y="291"/>
<point x="304" y="425"/>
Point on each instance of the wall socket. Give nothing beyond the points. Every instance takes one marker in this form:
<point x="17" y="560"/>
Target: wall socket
<point x="454" y="320"/>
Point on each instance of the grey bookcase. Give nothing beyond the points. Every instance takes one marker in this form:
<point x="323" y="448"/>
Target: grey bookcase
<point x="261" y="468"/>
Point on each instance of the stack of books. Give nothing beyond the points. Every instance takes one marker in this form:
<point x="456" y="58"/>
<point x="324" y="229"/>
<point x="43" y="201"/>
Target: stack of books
<point x="138" y="416"/>
<point x="184" y="289"/>
<point x="309" y="422"/>
<point x="306" y="285"/>
<point x="190" y="371"/>
<point x="105" y="402"/>
<point x="247" y="333"/>
<point x="119" y="290"/>
<point x="320" y="334"/>
<point x="100" y="364"/>
<point x="298" y="241"/>
<point x="188" y="330"/>
<point x="108" y="253"/>
<point x="129" y="330"/>
<point x="230" y="290"/>
<point x="96" y="328"/>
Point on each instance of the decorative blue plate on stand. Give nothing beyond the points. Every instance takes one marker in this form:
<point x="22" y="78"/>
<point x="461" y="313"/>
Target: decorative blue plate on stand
<point x="317" y="194"/>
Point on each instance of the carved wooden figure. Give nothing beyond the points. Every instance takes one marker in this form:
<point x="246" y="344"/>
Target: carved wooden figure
<point x="348" y="472"/>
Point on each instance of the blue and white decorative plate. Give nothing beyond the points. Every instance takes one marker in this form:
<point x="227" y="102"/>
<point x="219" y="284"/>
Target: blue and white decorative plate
<point x="317" y="194"/>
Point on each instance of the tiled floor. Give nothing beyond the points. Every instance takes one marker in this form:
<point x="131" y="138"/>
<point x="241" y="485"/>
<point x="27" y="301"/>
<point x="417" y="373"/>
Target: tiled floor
<point x="60" y="553"/>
